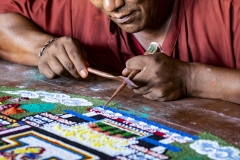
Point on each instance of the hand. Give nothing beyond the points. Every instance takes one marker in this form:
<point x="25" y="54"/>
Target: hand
<point x="63" y="57"/>
<point x="160" y="78"/>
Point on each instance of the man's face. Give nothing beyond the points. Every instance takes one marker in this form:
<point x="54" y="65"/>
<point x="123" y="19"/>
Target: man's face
<point x="131" y="15"/>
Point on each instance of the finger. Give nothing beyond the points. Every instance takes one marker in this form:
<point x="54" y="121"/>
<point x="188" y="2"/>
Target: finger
<point x="153" y="92"/>
<point x="75" y="55"/>
<point x="137" y="85"/>
<point x="46" y="71"/>
<point x="83" y="54"/>
<point x="141" y="80"/>
<point x="63" y="64"/>
<point x="142" y="90"/>
<point x="57" y="67"/>
<point x="126" y="72"/>
<point x="154" y="97"/>
<point x="163" y="97"/>
<point x="137" y="62"/>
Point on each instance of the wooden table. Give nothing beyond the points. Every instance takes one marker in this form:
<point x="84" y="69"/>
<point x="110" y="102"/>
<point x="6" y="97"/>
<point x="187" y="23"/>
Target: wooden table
<point x="191" y="115"/>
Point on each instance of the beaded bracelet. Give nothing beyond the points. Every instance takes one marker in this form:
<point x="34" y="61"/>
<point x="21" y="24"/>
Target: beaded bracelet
<point x="45" y="46"/>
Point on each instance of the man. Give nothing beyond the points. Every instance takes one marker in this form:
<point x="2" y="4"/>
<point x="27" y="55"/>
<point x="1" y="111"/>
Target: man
<point x="200" y="42"/>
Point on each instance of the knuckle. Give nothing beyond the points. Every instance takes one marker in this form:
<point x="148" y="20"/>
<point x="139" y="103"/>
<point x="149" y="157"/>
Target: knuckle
<point x="152" y="97"/>
<point x="50" y="75"/>
<point x="128" y="63"/>
<point x="50" y="51"/>
<point x="73" y="53"/>
<point x="163" y="99"/>
<point x="54" y="46"/>
<point x="60" y="71"/>
<point x="160" y="96"/>
<point x="66" y="38"/>
<point x="160" y="93"/>
<point x="41" y="67"/>
<point x="69" y="66"/>
<point x="137" y="91"/>
<point x="47" y="52"/>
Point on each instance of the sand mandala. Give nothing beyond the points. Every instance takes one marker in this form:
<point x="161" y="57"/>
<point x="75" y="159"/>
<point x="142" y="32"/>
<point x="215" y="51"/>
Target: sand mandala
<point x="48" y="125"/>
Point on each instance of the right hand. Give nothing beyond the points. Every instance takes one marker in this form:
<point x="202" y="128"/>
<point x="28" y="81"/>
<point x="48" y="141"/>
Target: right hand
<point x="63" y="57"/>
<point x="160" y="77"/>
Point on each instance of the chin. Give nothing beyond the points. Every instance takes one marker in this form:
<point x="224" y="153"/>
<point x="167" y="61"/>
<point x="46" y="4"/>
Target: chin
<point x="130" y="28"/>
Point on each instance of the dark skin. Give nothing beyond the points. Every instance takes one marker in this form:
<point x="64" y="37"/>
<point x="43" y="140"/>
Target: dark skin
<point x="160" y="78"/>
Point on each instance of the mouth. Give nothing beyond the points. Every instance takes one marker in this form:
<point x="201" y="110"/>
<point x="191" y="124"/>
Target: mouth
<point x="120" y="19"/>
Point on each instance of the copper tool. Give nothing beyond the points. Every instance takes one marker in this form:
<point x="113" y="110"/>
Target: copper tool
<point x="153" y="48"/>
<point x="110" y="76"/>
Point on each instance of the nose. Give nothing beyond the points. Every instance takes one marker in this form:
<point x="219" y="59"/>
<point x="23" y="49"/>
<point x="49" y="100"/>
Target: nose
<point x="112" y="5"/>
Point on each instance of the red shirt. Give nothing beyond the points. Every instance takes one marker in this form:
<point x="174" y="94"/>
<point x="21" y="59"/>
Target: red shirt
<point x="206" y="31"/>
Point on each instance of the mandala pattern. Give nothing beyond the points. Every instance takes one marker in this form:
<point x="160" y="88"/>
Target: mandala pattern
<point x="43" y="131"/>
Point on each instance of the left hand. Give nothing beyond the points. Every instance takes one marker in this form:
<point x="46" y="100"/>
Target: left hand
<point x="160" y="78"/>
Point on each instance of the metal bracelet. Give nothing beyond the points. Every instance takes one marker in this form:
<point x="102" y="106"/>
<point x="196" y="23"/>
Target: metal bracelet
<point x="45" y="46"/>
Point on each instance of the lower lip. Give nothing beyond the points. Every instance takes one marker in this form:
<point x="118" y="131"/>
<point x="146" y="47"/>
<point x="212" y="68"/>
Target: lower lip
<point x="124" y="19"/>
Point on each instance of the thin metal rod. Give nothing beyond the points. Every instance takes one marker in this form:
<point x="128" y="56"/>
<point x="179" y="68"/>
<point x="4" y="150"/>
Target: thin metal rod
<point x="116" y="92"/>
<point x="130" y="76"/>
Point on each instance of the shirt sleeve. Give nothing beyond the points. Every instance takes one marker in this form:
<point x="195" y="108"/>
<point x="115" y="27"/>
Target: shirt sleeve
<point x="52" y="16"/>
<point x="236" y="32"/>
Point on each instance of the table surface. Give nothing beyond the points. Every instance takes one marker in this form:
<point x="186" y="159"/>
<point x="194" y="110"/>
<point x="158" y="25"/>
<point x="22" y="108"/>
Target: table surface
<point x="191" y="115"/>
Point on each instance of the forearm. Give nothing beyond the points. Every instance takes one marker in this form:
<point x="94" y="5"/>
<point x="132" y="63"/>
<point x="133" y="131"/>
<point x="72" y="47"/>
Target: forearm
<point x="20" y="39"/>
<point x="214" y="82"/>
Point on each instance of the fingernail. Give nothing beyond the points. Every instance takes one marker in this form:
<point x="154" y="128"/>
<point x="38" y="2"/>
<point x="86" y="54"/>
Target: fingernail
<point x="83" y="73"/>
